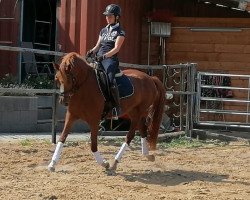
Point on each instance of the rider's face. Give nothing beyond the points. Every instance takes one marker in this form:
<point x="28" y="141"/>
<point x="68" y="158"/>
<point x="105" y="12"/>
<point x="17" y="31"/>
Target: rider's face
<point x="110" y="19"/>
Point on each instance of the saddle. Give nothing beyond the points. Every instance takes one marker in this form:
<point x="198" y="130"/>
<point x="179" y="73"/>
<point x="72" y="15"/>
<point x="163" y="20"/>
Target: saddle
<point x="124" y="84"/>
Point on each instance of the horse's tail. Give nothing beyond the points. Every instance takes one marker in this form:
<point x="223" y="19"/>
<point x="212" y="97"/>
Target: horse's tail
<point x="156" y="113"/>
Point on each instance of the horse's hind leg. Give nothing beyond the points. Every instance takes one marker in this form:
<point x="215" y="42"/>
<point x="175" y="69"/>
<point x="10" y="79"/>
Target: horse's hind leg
<point x="99" y="159"/>
<point x="144" y="143"/>
<point x="129" y="137"/>
<point x="56" y="156"/>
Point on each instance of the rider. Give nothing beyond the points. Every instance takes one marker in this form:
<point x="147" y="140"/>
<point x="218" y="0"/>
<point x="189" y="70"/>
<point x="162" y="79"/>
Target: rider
<point x="108" y="45"/>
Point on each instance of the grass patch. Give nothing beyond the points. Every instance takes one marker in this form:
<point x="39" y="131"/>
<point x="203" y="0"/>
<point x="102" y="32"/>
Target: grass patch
<point x="72" y="144"/>
<point x="182" y="142"/>
<point x="115" y="141"/>
<point x="26" y="142"/>
<point x="46" y="141"/>
<point x="216" y="143"/>
<point x="187" y="142"/>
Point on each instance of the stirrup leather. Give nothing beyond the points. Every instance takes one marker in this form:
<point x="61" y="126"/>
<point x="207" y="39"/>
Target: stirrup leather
<point x="115" y="113"/>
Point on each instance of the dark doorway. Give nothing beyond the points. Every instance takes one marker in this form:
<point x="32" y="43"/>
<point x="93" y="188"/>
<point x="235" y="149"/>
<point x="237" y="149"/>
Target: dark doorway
<point x="39" y="27"/>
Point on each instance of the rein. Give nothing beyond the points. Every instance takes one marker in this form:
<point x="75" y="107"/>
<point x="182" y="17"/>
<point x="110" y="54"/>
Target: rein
<point x="74" y="87"/>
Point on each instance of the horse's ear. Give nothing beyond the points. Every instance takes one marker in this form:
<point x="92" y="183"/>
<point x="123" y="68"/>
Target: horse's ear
<point x="56" y="66"/>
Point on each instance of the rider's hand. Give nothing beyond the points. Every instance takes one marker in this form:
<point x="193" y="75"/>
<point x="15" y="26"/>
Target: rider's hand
<point x="100" y="58"/>
<point x="89" y="53"/>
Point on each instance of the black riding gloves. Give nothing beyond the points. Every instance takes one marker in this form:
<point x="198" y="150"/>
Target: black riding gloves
<point x="101" y="58"/>
<point x="89" y="53"/>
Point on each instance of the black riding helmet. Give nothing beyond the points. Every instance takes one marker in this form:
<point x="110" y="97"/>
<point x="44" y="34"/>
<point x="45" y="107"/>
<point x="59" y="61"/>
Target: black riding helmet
<point x="113" y="9"/>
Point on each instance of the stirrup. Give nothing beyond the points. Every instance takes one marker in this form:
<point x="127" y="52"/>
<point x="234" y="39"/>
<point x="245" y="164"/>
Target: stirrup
<point x="115" y="113"/>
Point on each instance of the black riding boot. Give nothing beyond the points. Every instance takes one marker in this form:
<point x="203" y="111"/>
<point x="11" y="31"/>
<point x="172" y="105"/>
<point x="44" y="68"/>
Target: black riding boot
<point x="116" y="111"/>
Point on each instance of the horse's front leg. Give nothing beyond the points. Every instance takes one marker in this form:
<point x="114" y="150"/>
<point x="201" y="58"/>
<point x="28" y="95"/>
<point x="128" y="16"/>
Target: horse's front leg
<point x="57" y="153"/>
<point x="98" y="157"/>
<point x="129" y="137"/>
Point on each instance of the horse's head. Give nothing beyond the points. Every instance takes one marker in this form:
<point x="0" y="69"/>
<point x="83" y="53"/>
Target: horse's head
<point x="66" y="77"/>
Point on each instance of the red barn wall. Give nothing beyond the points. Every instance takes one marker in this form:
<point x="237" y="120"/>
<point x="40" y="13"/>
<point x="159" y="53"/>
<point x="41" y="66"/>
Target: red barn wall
<point x="79" y="24"/>
<point x="9" y="30"/>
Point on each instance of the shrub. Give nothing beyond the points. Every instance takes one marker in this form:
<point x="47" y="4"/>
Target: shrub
<point x="30" y="82"/>
<point x="39" y="82"/>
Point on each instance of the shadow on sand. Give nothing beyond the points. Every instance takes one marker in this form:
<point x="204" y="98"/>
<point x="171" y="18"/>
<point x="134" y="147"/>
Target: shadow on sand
<point x="175" y="177"/>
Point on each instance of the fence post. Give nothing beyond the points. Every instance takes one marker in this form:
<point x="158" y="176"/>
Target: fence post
<point x="54" y="121"/>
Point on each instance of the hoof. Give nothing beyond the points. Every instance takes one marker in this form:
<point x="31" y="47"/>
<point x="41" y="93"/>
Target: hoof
<point x="105" y="164"/>
<point x="51" y="169"/>
<point x="110" y="172"/>
<point x="151" y="158"/>
<point x="114" y="166"/>
<point x="51" y="166"/>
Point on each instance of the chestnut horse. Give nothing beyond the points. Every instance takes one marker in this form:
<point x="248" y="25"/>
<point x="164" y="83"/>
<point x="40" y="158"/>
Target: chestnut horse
<point x="79" y="90"/>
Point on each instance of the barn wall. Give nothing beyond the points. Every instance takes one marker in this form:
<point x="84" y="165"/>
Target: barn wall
<point x="221" y="52"/>
<point x="71" y="17"/>
<point x="194" y="8"/>
<point x="191" y="13"/>
<point x="79" y="24"/>
<point x="130" y="21"/>
<point x="9" y="30"/>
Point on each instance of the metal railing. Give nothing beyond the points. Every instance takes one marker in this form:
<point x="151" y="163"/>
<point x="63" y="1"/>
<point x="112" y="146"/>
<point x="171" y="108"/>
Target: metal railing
<point x="221" y="104"/>
<point x="180" y="80"/>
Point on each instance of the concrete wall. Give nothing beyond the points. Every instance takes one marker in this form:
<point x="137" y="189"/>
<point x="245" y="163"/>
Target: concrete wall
<point x="45" y="115"/>
<point x="18" y="114"/>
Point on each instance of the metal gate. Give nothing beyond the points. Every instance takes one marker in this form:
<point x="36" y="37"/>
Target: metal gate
<point x="218" y="103"/>
<point x="179" y="80"/>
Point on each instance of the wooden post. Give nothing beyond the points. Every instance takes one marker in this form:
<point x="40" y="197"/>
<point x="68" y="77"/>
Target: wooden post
<point x="54" y="122"/>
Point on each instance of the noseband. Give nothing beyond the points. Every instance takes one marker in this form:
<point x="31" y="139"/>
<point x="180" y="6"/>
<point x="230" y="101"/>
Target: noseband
<point x="69" y="93"/>
<point x="75" y="86"/>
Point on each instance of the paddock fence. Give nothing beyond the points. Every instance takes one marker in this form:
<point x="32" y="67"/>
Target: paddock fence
<point x="179" y="81"/>
<point x="223" y="100"/>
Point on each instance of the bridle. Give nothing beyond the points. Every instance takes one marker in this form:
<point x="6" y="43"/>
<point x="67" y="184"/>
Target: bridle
<point x="74" y="88"/>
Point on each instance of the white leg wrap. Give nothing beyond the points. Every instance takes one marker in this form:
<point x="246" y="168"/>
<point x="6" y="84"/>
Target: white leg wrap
<point x="56" y="155"/>
<point x="99" y="159"/>
<point x="119" y="155"/>
<point x="144" y="146"/>
<point x="58" y="151"/>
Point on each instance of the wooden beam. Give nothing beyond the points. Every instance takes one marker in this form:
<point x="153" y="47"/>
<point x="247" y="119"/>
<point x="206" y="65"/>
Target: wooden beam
<point x="228" y="3"/>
